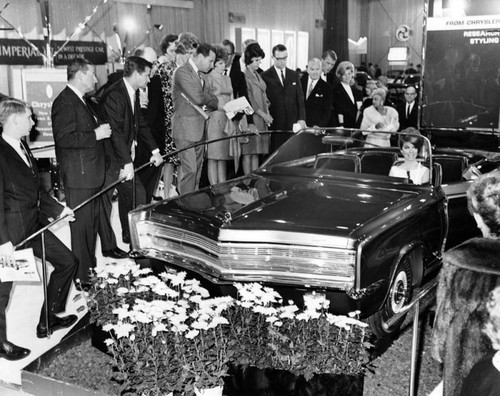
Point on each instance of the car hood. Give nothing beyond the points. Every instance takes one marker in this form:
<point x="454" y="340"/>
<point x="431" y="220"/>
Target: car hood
<point x="335" y="206"/>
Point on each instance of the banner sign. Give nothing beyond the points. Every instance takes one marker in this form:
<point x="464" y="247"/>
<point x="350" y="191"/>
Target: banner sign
<point x="462" y="72"/>
<point x="18" y="52"/>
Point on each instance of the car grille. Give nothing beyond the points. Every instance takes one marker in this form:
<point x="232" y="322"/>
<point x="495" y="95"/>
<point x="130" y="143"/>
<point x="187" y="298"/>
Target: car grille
<point x="256" y="261"/>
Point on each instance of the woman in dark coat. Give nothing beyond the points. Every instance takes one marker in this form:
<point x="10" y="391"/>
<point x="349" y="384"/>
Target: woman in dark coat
<point x="470" y="271"/>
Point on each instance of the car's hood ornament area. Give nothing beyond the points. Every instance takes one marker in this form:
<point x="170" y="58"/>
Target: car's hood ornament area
<point x="224" y="216"/>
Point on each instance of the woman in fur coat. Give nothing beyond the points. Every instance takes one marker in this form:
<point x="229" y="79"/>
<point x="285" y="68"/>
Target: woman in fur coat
<point x="470" y="271"/>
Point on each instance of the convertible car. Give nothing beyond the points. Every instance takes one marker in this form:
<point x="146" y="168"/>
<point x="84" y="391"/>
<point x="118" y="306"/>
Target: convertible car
<point x="320" y="216"/>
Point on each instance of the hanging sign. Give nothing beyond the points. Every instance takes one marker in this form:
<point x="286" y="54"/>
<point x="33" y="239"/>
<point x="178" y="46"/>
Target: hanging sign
<point x="18" y="52"/>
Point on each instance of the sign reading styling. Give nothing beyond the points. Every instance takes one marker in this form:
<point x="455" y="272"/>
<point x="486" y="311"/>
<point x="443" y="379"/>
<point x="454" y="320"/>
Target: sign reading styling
<point x="18" y="52"/>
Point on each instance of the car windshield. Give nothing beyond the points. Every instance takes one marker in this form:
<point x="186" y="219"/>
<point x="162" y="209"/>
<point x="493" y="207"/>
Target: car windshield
<point x="327" y="153"/>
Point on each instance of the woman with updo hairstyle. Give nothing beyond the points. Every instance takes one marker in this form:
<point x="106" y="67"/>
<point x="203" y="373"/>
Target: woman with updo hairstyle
<point x="410" y="145"/>
<point x="470" y="271"/>
<point x="218" y="124"/>
<point x="347" y="99"/>
<point x="256" y="145"/>
<point x="378" y="119"/>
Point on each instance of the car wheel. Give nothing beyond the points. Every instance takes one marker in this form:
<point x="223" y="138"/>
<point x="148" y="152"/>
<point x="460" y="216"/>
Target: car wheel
<point x="400" y="294"/>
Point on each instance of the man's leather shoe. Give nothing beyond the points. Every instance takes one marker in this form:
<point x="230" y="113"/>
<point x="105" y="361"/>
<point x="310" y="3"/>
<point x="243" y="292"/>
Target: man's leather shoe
<point x="55" y="323"/>
<point x="10" y="351"/>
<point x="135" y="255"/>
<point x="115" y="253"/>
<point x="126" y="239"/>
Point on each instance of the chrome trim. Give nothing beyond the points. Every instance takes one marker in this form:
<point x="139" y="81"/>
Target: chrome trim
<point x="219" y="275"/>
<point x="229" y="235"/>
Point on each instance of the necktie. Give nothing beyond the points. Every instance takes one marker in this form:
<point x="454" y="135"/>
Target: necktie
<point x="225" y="72"/>
<point x="26" y="158"/>
<point x="408" y="112"/>
<point x="201" y="79"/>
<point x="409" y="177"/>
<point x="282" y="78"/>
<point x="311" y="87"/>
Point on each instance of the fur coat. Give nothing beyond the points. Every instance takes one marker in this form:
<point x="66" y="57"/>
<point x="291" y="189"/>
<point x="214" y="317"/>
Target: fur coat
<point x="470" y="271"/>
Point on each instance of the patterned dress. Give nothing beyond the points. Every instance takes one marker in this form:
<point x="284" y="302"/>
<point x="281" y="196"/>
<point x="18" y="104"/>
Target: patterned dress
<point x="166" y="72"/>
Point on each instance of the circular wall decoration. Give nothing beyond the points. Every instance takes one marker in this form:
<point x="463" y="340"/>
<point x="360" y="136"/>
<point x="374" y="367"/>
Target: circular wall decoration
<point x="403" y="33"/>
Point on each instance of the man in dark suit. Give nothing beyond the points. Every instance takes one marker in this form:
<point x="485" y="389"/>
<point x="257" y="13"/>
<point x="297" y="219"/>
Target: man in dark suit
<point x="122" y="110"/>
<point x="188" y="125"/>
<point x="317" y="95"/>
<point x="79" y="141"/>
<point x="284" y="91"/>
<point x="328" y="61"/>
<point x="23" y="206"/>
<point x="408" y="110"/>
<point x="153" y="111"/>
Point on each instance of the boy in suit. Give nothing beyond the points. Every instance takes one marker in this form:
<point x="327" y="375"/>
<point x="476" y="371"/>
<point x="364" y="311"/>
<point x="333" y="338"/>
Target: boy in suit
<point x="408" y="110"/>
<point x="24" y="205"/>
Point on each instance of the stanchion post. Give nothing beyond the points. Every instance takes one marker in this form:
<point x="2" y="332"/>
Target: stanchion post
<point x="414" y="349"/>
<point x="44" y="284"/>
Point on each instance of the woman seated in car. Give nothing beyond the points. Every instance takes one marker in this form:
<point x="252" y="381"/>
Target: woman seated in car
<point x="411" y="168"/>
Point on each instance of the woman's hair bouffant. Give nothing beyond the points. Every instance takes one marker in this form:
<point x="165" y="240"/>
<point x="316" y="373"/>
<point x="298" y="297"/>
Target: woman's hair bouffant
<point x="221" y="53"/>
<point x="483" y="198"/>
<point x="380" y="92"/>
<point x="253" y="50"/>
<point x="411" y="135"/>
<point x="343" y="67"/>
<point x="187" y="42"/>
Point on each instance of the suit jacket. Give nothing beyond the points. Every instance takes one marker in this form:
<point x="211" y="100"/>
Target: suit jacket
<point x="405" y="122"/>
<point x="80" y="156"/>
<point x="342" y="104"/>
<point x="319" y="103"/>
<point x="287" y="102"/>
<point x="187" y="123"/>
<point x="24" y="205"/>
<point x="126" y="125"/>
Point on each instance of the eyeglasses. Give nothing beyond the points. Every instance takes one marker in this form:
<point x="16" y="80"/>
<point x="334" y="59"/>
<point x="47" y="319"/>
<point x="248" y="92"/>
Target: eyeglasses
<point x="281" y="59"/>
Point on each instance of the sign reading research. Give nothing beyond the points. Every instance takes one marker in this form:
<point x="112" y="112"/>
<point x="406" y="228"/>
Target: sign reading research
<point x="462" y="75"/>
<point x="18" y="52"/>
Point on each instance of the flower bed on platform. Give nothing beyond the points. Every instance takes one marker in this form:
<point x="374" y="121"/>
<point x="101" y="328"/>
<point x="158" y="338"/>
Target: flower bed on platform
<point x="168" y="335"/>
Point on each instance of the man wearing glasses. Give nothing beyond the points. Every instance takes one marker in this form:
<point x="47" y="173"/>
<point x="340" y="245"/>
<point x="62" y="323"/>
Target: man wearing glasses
<point x="284" y="91"/>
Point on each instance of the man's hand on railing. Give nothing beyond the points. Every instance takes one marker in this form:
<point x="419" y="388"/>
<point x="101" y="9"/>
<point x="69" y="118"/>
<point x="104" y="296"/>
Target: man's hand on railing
<point x="68" y="213"/>
<point x="127" y="171"/>
<point x="156" y="159"/>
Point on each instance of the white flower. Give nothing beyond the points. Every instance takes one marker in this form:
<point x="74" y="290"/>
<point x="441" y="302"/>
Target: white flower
<point x="288" y="312"/>
<point x="109" y="341"/>
<point x="122" y="311"/>
<point x="123" y="329"/>
<point x="108" y="327"/>
<point x="157" y="328"/>
<point x="191" y="334"/>
<point x="121" y="291"/>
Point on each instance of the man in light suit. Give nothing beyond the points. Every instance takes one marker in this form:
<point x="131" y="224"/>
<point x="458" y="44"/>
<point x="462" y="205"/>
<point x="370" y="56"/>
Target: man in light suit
<point x="317" y="95"/>
<point x="188" y="125"/>
<point x="24" y="207"/>
<point x="79" y="141"/>
<point x="122" y="110"/>
<point x="408" y="110"/>
<point x="284" y="91"/>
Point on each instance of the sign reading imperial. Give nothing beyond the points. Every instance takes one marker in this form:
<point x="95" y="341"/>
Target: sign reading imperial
<point x="18" y="52"/>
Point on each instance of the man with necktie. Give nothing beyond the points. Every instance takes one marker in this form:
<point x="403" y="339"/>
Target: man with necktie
<point x="284" y="91"/>
<point x="408" y="110"/>
<point x="188" y="125"/>
<point x="317" y="95"/>
<point x="79" y="140"/>
<point x="121" y="108"/>
<point x="24" y="208"/>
